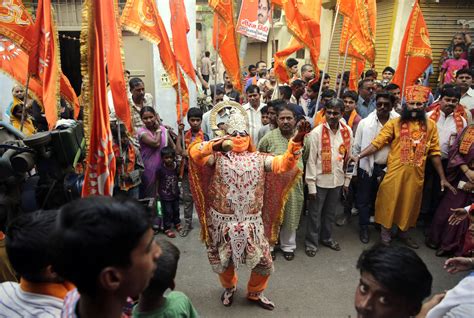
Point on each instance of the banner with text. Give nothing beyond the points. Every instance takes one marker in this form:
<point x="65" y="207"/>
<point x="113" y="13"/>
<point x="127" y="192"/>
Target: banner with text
<point x="255" y="19"/>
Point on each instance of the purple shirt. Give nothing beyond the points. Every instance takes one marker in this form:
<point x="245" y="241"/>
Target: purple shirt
<point x="168" y="183"/>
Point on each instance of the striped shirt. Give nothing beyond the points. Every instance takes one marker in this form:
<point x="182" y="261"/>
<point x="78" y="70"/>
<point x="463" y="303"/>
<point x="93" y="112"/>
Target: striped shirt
<point x="14" y="302"/>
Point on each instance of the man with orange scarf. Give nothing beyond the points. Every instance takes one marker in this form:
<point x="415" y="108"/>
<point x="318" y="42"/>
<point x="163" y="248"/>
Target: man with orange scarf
<point x="41" y="291"/>
<point x="239" y="197"/>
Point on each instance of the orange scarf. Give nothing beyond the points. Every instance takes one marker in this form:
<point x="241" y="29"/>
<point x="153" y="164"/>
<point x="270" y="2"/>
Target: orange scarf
<point x="129" y="165"/>
<point x="412" y="144"/>
<point x="350" y="122"/>
<point x="326" y="151"/>
<point x="58" y="290"/>
<point x="456" y="114"/>
<point x="320" y="117"/>
<point x="188" y="137"/>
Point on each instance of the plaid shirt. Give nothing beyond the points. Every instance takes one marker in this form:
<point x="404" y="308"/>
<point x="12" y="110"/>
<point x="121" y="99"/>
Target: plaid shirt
<point x="135" y="110"/>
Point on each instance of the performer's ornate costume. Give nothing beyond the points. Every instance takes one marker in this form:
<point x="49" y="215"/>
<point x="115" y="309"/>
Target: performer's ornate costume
<point x="240" y="197"/>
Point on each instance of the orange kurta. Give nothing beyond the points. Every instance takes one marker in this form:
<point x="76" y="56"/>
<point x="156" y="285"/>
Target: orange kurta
<point x="399" y="196"/>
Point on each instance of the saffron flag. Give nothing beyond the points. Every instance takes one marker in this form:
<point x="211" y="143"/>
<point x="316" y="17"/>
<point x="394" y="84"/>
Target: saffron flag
<point x="179" y="29"/>
<point x="281" y="71"/>
<point x="357" y="67"/>
<point x="100" y="170"/>
<point x="416" y="48"/>
<point x="225" y="41"/>
<point x="115" y="62"/>
<point x="14" y="63"/>
<point x="151" y="27"/>
<point x="359" y="28"/>
<point x="44" y="61"/>
<point x="303" y="19"/>
<point x="16" y="23"/>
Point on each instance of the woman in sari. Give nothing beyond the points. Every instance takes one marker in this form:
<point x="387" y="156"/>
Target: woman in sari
<point x="451" y="224"/>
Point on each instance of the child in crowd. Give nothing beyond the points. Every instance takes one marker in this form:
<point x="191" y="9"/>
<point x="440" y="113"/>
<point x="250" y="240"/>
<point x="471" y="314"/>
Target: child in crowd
<point x="451" y="66"/>
<point x="41" y="291"/>
<point x="106" y="248"/>
<point x="153" y="137"/>
<point x="168" y="191"/>
<point x="194" y="134"/>
<point x="264" y="112"/>
<point x="129" y="163"/>
<point x="152" y="301"/>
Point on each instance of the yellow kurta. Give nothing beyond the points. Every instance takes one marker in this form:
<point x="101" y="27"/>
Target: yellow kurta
<point x="399" y="196"/>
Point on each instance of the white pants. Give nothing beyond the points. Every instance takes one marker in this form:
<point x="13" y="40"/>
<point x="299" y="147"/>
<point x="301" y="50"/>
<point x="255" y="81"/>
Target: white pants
<point x="287" y="239"/>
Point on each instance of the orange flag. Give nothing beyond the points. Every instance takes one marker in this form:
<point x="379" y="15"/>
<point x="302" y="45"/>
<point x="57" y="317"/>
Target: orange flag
<point x="281" y="71"/>
<point x="179" y="29"/>
<point x="359" y="28"/>
<point x="416" y="47"/>
<point x="357" y="67"/>
<point x="303" y="19"/>
<point x="44" y="60"/>
<point x="100" y="171"/>
<point x="151" y="27"/>
<point x="14" y="63"/>
<point x="115" y="62"/>
<point x="225" y="41"/>
<point x="16" y="23"/>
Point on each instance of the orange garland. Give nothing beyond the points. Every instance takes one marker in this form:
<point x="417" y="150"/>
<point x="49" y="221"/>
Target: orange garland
<point x="412" y="145"/>
<point x="457" y="118"/>
<point x="326" y="151"/>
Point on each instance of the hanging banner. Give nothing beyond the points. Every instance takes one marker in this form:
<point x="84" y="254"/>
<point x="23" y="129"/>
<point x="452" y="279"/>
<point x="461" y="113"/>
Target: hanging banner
<point x="255" y="19"/>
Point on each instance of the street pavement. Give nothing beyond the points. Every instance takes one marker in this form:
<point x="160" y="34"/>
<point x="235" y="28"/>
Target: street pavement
<point x="322" y="286"/>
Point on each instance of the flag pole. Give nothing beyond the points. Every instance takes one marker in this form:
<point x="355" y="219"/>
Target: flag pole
<point x="274" y="50"/>
<point x="180" y="98"/>
<point x="119" y="138"/>
<point x="217" y="60"/>
<point x="25" y="100"/>
<point x="321" y="80"/>
<point x="404" y="80"/>
<point x="343" y="70"/>
<point x="337" y="69"/>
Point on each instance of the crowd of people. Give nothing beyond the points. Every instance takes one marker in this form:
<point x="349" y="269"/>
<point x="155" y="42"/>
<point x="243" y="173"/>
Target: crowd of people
<point x="250" y="166"/>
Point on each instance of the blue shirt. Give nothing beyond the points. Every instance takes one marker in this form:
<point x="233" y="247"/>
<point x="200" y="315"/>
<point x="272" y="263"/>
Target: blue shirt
<point x="365" y="108"/>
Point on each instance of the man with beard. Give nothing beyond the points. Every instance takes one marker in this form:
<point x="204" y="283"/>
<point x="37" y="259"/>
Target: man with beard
<point x="371" y="168"/>
<point x="230" y="191"/>
<point x="330" y="146"/>
<point x="413" y="139"/>
<point x="229" y="90"/>
<point x="276" y="142"/>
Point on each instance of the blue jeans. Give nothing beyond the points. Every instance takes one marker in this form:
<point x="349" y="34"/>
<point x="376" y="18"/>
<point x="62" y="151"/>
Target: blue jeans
<point x="367" y="187"/>
<point x="170" y="213"/>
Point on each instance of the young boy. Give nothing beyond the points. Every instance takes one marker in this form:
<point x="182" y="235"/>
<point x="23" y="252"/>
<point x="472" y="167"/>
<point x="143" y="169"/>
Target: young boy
<point x="41" y="291"/>
<point x="190" y="136"/>
<point x="451" y="66"/>
<point x="168" y="191"/>
<point x="107" y="249"/>
<point x="350" y="114"/>
<point x="152" y="301"/>
<point x="129" y="164"/>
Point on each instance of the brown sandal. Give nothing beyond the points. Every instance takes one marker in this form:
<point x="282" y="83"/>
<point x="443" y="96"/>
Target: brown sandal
<point x="261" y="300"/>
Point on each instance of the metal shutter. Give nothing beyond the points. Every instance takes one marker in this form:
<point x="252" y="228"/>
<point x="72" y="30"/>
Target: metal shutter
<point x="384" y="33"/>
<point x="441" y="19"/>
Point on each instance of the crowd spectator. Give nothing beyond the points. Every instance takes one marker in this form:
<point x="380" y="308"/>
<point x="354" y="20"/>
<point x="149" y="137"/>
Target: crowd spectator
<point x="387" y="75"/>
<point x="329" y="144"/>
<point x="464" y="82"/>
<point x="253" y="108"/>
<point x="206" y="68"/>
<point x="292" y="66"/>
<point x="272" y="109"/>
<point x="118" y="237"/>
<point x="276" y="142"/>
<point x="462" y="38"/>
<point x="153" y="303"/>
<point x="452" y="65"/>
<point x="307" y="72"/>
<point x="366" y="102"/>
<point x="138" y="99"/>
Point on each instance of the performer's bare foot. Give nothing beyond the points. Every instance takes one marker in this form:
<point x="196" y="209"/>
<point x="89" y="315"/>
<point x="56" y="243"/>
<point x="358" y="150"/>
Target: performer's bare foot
<point x="261" y="300"/>
<point x="228" y="296"/>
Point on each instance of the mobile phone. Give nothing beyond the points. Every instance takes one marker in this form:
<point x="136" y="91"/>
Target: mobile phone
<point x="350" y="167"/>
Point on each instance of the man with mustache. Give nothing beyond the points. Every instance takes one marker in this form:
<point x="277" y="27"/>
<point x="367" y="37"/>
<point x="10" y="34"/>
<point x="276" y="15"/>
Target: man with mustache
<point x="450" y="122"/>
<point x="276" y="142"/>
<point x="330" y="146"/>
<point x="413" y="139"/>
<point x="236" y="189"/>
<point x="137" y="99"/>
